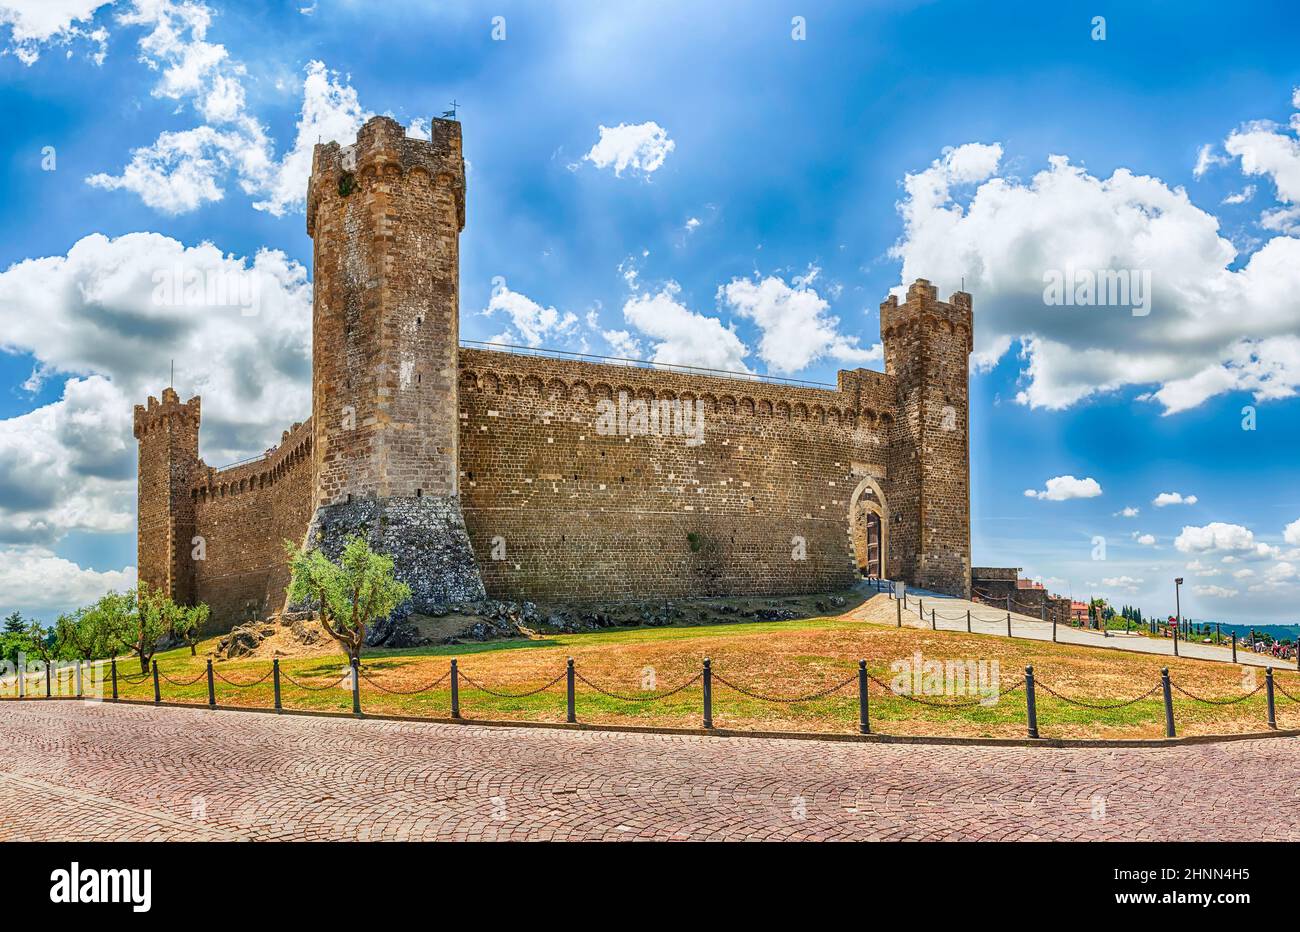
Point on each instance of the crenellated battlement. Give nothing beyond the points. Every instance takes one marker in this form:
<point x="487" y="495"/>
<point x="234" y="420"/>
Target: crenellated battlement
<point x="293" y="452"/>
<point x="384" y="153"/>
<point x="149" y="416"/>
<point x="922" y="306"/>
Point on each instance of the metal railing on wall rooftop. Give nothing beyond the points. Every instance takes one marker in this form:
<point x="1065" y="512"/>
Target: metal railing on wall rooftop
<point x="606" y="360"/>
<point x="642" y="364"/>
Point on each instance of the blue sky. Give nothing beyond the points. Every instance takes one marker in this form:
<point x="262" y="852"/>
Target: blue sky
<point x="771" y="191"/>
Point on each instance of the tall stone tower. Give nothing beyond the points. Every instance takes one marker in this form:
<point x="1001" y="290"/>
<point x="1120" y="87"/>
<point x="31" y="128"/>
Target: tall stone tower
<point x="927" y="349"/>
<point x="385" y="216"/>
<point x="169" y="455"/>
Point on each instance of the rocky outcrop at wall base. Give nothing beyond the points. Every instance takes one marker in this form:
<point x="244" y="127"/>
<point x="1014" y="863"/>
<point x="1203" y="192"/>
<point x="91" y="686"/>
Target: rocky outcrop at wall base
<point x="426" y="538"/>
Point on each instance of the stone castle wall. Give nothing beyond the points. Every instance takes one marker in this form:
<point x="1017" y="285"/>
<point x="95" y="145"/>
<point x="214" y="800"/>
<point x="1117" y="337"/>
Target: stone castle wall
<point x="558" y="509"/>
<point x="529" y="477"/>
<point x="243" y="515"/>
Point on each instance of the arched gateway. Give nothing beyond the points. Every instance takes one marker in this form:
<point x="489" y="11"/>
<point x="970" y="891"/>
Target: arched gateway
<point x="869" y="529"/>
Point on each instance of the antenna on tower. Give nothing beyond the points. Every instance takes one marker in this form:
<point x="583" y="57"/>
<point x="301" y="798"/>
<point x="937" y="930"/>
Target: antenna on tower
<point x="450" y="114"/>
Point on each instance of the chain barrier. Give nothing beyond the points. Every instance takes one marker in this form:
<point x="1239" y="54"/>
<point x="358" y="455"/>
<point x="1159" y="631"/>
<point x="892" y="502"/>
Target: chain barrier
<point x="502" y="695"/>
<point x="316" y="689"/>
<point x="1282" y="689"/>
<point x="186" y="683"/>
<point x="1039" y="684"/>
<point x="237" y="685"/>
<point x="133" y="679"/>
<point x="787" y="700"/>
<point x="1190" y="695"/>
<point x="962" y="617"/>
<point x="406" y="692"/>
<point x="655" y="698"/>
<point x="965" y="704"/>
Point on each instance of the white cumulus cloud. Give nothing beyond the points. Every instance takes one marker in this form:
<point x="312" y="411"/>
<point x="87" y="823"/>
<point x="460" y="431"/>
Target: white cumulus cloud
<point x="37" y="23"/>
<point x="682" y="336"/>
<point x="1215" y="325"/>
<point x="38" y="583"/>
<point x="1173" y="498"/>
<point x="1063" y="488"/>
<point x="533" y="323"/>
<point x="796" y="326"/>
<point x="641" y="147"/>
<point x="1216" y="536"/>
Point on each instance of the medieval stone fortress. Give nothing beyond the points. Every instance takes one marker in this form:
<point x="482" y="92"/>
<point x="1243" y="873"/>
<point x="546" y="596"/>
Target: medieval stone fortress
<point x="517" y="476"/>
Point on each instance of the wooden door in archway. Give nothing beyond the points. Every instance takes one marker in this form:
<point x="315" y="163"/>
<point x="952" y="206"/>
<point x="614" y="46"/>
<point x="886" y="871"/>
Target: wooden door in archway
<point x="872" y="567"/>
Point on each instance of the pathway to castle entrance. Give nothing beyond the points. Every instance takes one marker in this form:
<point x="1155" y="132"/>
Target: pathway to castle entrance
<point x="77" y="771"/>
<point x="950" y="615"/>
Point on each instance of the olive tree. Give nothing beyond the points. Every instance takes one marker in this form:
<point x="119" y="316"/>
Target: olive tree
<point x="360" y="588"/>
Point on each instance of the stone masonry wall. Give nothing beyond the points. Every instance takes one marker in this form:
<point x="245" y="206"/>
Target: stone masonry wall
<point x="556" y="509"/>
<point x="243" y="514"/>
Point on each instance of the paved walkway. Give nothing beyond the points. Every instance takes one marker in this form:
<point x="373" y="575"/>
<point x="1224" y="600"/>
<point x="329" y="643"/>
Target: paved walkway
<point x="950" y="615"/>
<point x="77" y="770"/>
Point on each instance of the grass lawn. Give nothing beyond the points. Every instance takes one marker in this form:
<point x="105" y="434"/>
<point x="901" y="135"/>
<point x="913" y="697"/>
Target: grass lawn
<point x="789" y="658"/>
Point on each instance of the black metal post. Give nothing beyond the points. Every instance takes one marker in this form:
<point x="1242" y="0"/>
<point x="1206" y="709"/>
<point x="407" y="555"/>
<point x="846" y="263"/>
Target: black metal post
<point x="708" y="694"/>
<point x="573" y="717"/>
<point x="1008" y="624"/>
<point x="78" y="680"/>
<point x="968" y="621"/>
<point x="920" y="610"/>
<point x="113" y="661"/>
<point x="1030" y="705"/>
<point x="1169" y="703"/>
<point x="898" y="606"/>
<point x="1234" y="647"/>
<point x="356" y="687"/>
<point x="1268" y="691"/>
<point x="1175" y="639"/>
<point x="48" y="691"/>
<point x="864" y="718"/>
<point x="275" y="682"/>
<point x="455" y="690"/>
<point x="157" y="694"/>
<point x="212" y="687"/>
<point x="934" y="625"/>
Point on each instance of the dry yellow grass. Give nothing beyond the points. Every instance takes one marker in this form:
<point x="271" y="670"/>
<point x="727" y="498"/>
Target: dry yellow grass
<point x="782" y="659"/>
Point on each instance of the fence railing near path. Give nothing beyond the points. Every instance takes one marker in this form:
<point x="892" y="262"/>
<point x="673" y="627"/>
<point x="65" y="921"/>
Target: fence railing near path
<point x="708" y="679"/>
<point x="914" y="604"/>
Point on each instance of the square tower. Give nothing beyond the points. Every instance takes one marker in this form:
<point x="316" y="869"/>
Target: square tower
<point x="385" y="216"/>
<point x="168" y="435"/>
<point x="927" y="350"/>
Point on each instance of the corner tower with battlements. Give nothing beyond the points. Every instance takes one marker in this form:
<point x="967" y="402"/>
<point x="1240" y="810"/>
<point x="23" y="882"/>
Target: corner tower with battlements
<point x="168" y="433"/>
<point x="927" y="346"/>
<point x="385" y="216"/>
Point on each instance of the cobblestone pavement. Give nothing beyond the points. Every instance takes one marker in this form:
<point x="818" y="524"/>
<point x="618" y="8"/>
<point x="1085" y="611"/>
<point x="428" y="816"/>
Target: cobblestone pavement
<point x="84" y="771"/>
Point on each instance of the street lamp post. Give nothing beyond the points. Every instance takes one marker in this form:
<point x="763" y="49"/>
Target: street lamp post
<point x="1178" y="612"/>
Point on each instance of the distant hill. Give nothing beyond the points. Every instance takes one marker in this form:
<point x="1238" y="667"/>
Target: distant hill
<point x="1276" y="632"/>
